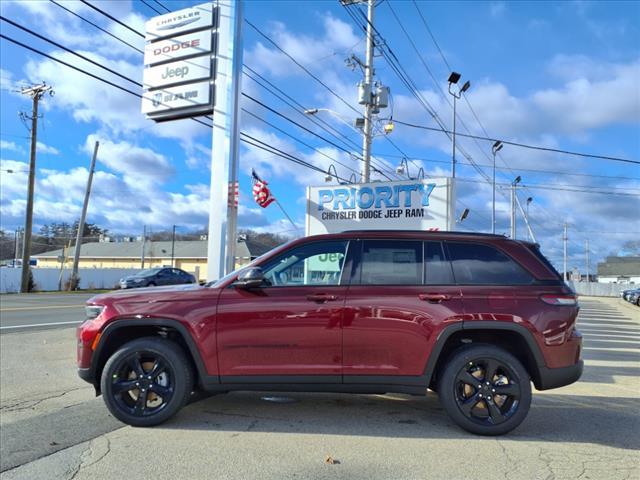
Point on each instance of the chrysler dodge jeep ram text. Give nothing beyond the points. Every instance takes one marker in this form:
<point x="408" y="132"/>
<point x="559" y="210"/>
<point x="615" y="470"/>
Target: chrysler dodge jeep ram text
<point x="474" y="317"/>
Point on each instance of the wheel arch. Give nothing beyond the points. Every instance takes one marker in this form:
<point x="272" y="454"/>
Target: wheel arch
<point x="121" y="331"/>
<point x="513" y="338"/>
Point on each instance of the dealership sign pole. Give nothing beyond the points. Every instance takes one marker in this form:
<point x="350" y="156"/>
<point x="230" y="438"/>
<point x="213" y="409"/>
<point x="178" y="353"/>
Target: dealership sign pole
<point x="193" y="61"/>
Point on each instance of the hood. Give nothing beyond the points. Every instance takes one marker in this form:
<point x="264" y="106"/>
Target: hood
<point x="147" y="294"/>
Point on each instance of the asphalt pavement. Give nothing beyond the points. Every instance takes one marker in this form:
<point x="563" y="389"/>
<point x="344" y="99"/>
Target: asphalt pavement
<point x="25" y="312"/>
<point x="52" y="426"/>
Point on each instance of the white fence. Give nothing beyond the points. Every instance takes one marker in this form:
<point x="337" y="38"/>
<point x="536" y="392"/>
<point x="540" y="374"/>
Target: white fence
<point x="600" y="289"/>
<point x="48" y="279"/>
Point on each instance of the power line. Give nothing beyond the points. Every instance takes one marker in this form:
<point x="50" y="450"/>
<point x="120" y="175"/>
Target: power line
<point x="152" y="7"/>
<point x="523" y="145"/>
<point x="97" y="26"/>
<point x="112" y="18"/>
<point x="56" y="44"/>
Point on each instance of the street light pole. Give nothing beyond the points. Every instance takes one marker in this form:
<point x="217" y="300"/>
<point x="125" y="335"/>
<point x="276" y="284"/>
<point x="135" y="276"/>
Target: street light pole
<point x="454" y="77"/>
<point x="495" y="149"/>
<point x="513" y="206"/>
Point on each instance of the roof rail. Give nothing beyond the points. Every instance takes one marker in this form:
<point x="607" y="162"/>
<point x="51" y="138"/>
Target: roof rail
<point x="435" y="232"/>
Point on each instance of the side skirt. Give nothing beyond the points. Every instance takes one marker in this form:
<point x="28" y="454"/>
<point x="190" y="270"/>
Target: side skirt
<point x="318" y="383"/>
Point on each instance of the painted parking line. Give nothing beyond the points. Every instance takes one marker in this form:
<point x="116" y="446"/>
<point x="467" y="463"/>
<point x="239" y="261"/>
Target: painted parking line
<point x="50" y="324"/>
<point x="16" y="309"/>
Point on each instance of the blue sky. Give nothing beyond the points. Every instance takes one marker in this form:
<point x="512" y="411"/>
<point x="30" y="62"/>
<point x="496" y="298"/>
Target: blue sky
<point x="557" y="74"/>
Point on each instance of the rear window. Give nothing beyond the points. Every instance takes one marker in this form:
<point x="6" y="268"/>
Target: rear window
<point x="386" y="262"/>
<point x="476" y="264"/>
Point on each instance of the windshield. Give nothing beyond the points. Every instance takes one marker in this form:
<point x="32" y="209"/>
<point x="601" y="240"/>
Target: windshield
<point x="148" y="272"/>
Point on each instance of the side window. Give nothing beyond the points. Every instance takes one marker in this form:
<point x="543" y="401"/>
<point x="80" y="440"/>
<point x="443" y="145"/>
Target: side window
<point x="318" y="263"/>
<point x="475" y="264"/>
<point x="437" y="267"/>
<point x="386" y="262"/>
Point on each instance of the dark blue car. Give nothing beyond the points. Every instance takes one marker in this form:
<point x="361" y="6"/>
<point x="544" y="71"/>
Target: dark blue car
<point x="152" y="277"/>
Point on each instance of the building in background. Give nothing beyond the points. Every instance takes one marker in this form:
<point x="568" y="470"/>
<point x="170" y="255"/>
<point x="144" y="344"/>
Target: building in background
<point x="619" y="270"/>
<point x="190" y="256"/>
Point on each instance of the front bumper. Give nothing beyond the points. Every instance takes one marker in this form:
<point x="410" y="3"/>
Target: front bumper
<point x="559" y="377"/>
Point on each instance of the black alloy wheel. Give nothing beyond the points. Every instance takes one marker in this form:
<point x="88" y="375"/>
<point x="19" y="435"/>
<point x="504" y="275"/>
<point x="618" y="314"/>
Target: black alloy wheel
<point x="146" y="381"/>
<point x="485" y="390"/>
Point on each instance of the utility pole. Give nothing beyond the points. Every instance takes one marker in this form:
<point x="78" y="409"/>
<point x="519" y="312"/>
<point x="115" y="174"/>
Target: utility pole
<point x="144" y="241"/>
<point x="369" y="98"/>
<point x="173" y="245"/>
<point x="564" y="255"/>
<point x="36" y="92"/>
<point x="586" y="251"/>
<point x="83" y="216"/>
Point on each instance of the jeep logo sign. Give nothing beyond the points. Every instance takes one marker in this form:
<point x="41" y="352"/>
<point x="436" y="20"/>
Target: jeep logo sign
<point x="197" y="68"/>
<point x="189" y="45"/>
<point x="406" y="205"/>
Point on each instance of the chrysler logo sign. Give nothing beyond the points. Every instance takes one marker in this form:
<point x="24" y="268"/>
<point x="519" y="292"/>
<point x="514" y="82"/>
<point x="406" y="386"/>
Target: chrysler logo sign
<point x="178" y="21"/>
<point x="189" y="19"/>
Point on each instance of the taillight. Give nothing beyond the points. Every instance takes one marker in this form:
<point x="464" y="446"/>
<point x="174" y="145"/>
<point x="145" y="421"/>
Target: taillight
<point x="560" y="300"/>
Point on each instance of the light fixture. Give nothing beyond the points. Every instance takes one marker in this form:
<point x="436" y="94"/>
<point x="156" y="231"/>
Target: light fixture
<point x="329" y="177"/>
<point x="465" y="214"/>
<point x="311" y="111"/>
<point x="465" y="87"/>
<point x="454" y="77"/>
<point x="388" y="128"/>
<point x="497" y="146"/>
<point x="517" y="180"/>
<point x="403" y="168"/>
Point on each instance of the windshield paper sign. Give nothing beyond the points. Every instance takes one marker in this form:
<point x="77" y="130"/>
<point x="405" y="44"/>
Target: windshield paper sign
<point x="407" y="205"/>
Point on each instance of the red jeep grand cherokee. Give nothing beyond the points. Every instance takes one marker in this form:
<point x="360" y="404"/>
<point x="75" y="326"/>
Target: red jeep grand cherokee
<point x="474" y="317"/>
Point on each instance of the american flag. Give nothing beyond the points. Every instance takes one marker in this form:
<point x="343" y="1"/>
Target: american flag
<point x="261" y="193"/>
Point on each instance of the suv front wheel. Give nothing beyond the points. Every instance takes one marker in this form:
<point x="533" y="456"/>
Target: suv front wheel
<point x="485" y="390"/>
<point x="146" y="381"/>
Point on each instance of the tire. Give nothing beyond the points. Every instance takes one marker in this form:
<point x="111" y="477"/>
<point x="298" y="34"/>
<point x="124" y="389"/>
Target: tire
<point x="476" y="406"/>
<point x="155" y="363"/>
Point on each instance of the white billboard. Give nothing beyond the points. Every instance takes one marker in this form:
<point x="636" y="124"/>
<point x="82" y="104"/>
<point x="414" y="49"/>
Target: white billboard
<point x="181" y="71"/>
<point x="405" y="205"/>
<point x="182" y="96"/>
<point x="188" y="45"/>
<point x="182" y="21"/>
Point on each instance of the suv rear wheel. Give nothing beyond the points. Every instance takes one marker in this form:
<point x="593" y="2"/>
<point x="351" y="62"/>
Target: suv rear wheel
<point x="146" y="381"/>
<point x="485" y="390"/>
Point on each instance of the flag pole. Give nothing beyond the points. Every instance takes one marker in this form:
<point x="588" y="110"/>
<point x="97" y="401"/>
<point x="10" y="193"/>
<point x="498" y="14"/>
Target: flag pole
<point x="286" y="214"/>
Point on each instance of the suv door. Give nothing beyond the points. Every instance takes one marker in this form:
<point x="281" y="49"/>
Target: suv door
<point x="396" y="307"/>
<point x="292" y="324"/>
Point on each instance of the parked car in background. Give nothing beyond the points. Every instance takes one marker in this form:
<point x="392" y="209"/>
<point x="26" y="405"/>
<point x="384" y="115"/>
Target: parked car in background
<point x="475" y="317"/>
<point x="634" y="297"/>
<point x="627" y="294"/>
<point x="152" y="277"/>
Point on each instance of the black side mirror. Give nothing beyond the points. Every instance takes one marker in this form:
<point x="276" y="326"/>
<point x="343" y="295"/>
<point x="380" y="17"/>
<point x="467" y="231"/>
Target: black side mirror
<point x="250" y="278"/>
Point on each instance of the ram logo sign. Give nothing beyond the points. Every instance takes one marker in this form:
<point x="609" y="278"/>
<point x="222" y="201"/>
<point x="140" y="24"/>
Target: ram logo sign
<point x="406" y="205"/>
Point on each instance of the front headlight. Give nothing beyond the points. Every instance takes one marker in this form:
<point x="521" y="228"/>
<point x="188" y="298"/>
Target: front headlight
<point x="92" y="311"/>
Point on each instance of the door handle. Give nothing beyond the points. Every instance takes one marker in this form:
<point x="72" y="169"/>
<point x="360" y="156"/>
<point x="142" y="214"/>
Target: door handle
<point x="434" y="297"/>
<point x="321" y="297"/>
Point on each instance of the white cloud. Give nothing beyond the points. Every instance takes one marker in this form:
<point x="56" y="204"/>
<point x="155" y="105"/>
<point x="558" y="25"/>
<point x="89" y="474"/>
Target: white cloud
<point x="6" y="145"/>
<point x="139" y="165"/>
<point x="47" y="149"/>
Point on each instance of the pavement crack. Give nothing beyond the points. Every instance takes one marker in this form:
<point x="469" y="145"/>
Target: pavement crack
<point x="30" y="404"/>
<point x="86" y="457"/>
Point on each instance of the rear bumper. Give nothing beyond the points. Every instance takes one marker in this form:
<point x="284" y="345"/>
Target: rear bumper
<point x="559" y="377"/>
